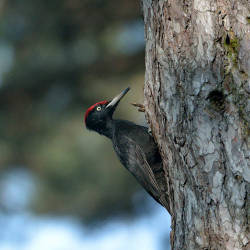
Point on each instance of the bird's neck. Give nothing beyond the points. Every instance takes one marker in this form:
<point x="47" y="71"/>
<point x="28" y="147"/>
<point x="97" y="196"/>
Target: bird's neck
<point x="107" y="129"/>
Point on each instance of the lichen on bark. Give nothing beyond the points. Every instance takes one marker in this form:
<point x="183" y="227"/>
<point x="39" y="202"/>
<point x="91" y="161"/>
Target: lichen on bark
<point x="197" y="104"/>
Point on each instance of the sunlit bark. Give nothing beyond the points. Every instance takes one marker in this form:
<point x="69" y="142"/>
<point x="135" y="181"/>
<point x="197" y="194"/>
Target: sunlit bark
<point x="197" y="89"/>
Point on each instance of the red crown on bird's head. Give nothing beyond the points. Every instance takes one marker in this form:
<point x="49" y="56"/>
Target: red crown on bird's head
<point x="92" y="107"/>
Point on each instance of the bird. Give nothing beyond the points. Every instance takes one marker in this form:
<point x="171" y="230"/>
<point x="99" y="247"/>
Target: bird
<point x="133" y="144"/>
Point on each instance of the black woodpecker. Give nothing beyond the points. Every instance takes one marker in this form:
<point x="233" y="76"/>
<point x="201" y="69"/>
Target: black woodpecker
<point x="133" y="144"/>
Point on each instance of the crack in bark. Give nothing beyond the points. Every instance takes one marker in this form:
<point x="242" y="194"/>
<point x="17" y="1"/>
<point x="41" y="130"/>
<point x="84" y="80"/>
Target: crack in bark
<point x="185" y="61"/>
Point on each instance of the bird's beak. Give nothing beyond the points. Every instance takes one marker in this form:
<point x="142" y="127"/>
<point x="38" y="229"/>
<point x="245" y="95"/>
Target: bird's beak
<point x="117" y="99"/>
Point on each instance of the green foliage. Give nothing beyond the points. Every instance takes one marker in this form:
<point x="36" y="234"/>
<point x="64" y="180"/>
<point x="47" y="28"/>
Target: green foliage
<point x="65" y="58"/>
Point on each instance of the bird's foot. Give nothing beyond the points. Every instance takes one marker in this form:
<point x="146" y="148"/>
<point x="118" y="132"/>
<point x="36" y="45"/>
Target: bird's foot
<point x="140" y="107"/>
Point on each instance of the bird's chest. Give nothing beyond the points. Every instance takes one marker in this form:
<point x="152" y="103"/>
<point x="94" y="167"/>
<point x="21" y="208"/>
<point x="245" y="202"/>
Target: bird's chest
<point x="121" y="148"/>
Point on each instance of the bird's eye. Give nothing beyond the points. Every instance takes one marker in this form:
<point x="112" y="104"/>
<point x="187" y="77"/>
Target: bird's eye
<point x="98" y="108"/>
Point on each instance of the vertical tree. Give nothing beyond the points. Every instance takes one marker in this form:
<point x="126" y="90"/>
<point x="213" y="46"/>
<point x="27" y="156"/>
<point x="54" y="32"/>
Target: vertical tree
<point x="197" y="88"/>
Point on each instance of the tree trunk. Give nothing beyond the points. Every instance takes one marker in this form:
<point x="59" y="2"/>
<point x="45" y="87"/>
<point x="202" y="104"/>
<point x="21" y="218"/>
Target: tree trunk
<point x="197" y="88"/>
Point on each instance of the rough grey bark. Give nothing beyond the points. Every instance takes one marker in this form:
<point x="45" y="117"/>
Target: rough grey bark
<point x="197" y="87"/>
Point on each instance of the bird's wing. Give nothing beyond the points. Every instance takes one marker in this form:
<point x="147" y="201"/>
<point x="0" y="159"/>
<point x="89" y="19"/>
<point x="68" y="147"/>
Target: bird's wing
<point x="142" y="170"/>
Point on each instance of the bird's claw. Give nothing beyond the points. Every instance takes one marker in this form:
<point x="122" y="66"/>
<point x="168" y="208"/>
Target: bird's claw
<point x="140" y="107"/>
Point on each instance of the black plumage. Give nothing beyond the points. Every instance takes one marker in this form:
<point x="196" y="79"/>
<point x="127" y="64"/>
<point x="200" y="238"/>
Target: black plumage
<point x="133" y="144"/>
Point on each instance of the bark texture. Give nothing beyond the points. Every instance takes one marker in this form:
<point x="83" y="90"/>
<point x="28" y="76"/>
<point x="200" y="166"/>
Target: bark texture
<point x="197" y="88"/>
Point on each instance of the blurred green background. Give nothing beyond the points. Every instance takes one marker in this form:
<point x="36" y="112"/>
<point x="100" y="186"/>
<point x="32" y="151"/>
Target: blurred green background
<point x="56" y="59"/>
